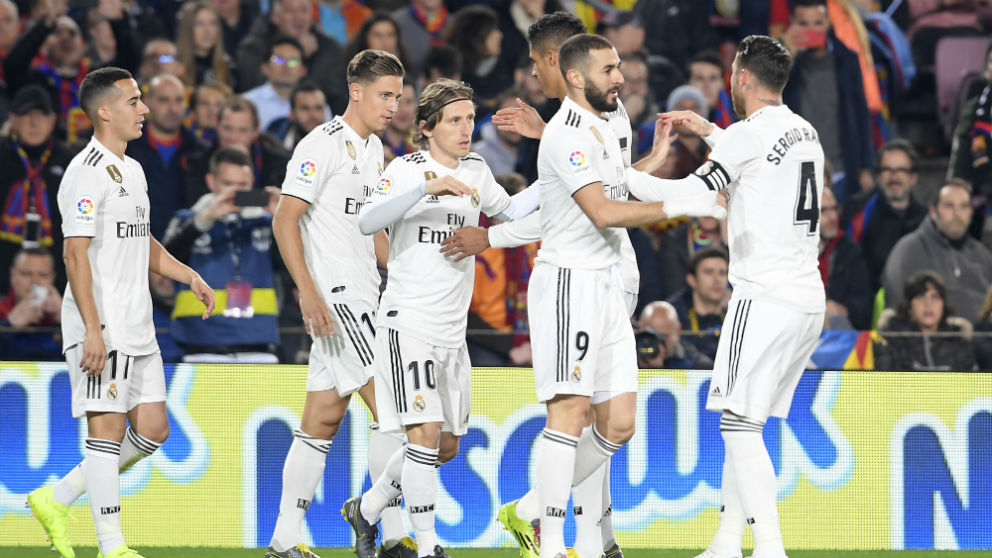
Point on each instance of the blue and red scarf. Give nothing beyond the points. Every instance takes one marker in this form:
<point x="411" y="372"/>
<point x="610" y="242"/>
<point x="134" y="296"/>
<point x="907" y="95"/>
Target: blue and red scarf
<point x="28" y="195"/>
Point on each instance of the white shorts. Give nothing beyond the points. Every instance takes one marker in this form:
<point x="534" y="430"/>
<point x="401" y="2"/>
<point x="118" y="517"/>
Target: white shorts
<point x="580" y="332"/>
<point x="762" y="353"/>
<point x="343" y="361"/>
<point x="419" y="383"/>
<point x="125" y="382"/>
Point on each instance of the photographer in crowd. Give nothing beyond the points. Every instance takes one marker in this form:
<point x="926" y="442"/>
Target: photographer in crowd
<point x="659" y="341"/>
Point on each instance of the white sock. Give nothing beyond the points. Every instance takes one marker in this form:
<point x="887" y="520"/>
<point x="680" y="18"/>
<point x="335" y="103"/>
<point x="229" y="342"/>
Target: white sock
<point x="104" y="487"/>
<point x="555" y="467"/>
<point x="593" y="449"/>
<point x="749" y="457"/>
<point x="420" y="492"/>
<point x="730" y="530"/>
<point x="301" y="473"/>
<point x="588" y="508"/>
<point x="385" y="489"/>
<point x="528" y="506"/>
<point x="134" y="448"/>
<point x="382" y="446"/>
<point x="608" y="537"/>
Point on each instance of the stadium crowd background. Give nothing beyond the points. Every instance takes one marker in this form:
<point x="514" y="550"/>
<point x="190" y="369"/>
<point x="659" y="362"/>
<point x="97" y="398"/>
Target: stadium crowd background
<point x="900" y="92"/>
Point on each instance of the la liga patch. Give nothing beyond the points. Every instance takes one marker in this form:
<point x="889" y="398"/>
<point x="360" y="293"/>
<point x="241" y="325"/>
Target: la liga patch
<point x="85" y="210"/>
<point x="306" y="172"/>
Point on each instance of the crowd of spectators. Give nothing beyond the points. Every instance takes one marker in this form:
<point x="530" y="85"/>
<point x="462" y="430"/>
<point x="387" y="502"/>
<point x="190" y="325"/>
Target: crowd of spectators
<point x="233" y="86"/>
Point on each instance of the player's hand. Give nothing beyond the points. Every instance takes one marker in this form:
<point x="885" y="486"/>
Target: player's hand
<point x="706" y="204"/>
<point x="523" y="120"/>
<point x="794" y="39"/>
<point x="203" y="293"/>
<point x="686" y="121"/>
<point x="94" y="353"/>
<point x="274" y="195"/>
<point x="447" y="185"/>
<point x="316" y="316"/>
<point x="465" y="242"/>
<point x="661" y="145"/>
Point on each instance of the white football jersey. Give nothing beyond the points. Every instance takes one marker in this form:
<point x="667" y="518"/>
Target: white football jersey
<point x="427" y="295"/>
<point x="630" y="275"/>
<point x="578" y="148"/>
<point x="772" y="165"/>
<point x="105" y="198"/>
<point x="334" y="169"/>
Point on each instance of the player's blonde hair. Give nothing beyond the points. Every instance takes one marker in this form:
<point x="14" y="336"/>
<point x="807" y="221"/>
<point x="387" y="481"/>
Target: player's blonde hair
<point x="432" y="101"/>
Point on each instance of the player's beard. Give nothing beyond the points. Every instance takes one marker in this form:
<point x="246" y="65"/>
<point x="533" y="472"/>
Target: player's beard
<point x="599" y="98"/>
<point x="737" y="99"/>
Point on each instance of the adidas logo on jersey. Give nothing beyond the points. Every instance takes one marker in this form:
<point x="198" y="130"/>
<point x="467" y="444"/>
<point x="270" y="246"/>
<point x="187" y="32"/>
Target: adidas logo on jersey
<point x="432" y="199"/>
<point x="355" y="170"/>
<point x="715" y="390"/>
<point x="123" y="193"/>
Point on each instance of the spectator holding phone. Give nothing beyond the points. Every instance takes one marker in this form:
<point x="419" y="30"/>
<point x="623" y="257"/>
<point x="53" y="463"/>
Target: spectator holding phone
<point x="32" y="302"/>
<point x="226" y="237"/>
<point x="826" y="89"/>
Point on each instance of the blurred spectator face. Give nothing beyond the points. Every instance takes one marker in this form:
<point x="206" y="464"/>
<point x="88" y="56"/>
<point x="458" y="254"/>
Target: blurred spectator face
<point x="493" y="42"/>
<point x="167" y="102"/>
<point x="8" y="25"/>
<point x="226" y="6"/>
<point x="31" y="269"/>
<point x="452" y="135"/>
<point x="102" y="35"/>
<point x="236" y="129"/>
<point x="406" y="111"/>
<point x="635" y="76"/>
<point x="208" y="103"/>
<point x="828" y="215"/>
<point x="285" y="67"/>
<point x="813" y="18"/>
<point x="382" y="36"/>
<point x="64" y="47"/>
<point x="953" y="211"/>
<point x="896" y="175"/>
<point x="508" y="137"/>
<point x="628" y="38"/>
<point x="308" y="112"/>
<point x="33" y="127"/>
<point x="708" y="79"/>
<point x="710" y="280"/>
<point x="206" y="31"/>
<point x="230" y="177"/>
<point x="662" y="317"/>
<point x="927" y="309"/>
<point x="161" y="57"/>
<point x="293" y="17"/>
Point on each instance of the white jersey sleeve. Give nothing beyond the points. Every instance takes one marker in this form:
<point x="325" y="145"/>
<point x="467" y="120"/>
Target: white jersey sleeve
<point x="738" y="147"/>
<point x="516" y="233"/>
<point x="571" y="160"/>
<point x="309" y="168"/>
<point x="494" y="200"/>
<point x="82" y="197"/>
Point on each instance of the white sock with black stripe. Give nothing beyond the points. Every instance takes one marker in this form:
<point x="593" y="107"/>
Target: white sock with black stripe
<point x="104" y="487"/>
<point x="730" y="529"/>
<point x="420" y="490"/>
<point x="301" y="473"/>
<point x="385" y="489"/>
<point x="134" y="448"/>
<point x="382" y="446"/>
<point x="587" y="505"/>
<point x="555" y="468"/>
<point x="608" y="537"/>
<point x="593" y="450"/>
<point x="758" y="495"/>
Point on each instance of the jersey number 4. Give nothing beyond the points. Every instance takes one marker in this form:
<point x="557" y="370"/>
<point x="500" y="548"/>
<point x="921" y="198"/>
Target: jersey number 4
<point x="808" y="200"/>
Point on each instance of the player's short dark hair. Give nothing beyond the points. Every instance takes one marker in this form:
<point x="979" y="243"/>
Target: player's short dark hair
<point x="98" y="83"/>
<point x="237" y="103"/>
<point x="897" y="144"/>
<point x="279" y="40"/>
<point x="302" y="87"/>
<point x="445" y="59"/>
<point x="229" y="155"/>
<point x="705" y="254"/>
<point x="767" y="59"/>
<point x="917" y="285"/>
<point x="551" y="30"/>
<point x="796" y="4"/>
<point x="574" y="52"/>
<point x="710" y="57"/>
<point x="432" y="101"/>
<point x="371" y="64"/>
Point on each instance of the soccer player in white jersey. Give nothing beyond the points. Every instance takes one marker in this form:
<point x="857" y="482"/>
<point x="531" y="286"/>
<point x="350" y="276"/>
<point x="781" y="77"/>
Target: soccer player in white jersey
<point x="582" y="341"/>
<point x="334" y="266"/>
<point x="115" y="367"/>
<point x="591" y="498"/>
<point x="423" y="373"/>
<point x="770" y="165"/>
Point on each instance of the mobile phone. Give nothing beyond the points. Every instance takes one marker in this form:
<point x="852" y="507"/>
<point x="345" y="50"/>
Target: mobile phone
<point x="814" y="38"/>
<point x="37" y="295"/>
<point x="251" y="198"/>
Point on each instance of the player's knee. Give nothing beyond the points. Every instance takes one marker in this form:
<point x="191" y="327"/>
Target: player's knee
<point x="157" y="435"/>
<point x="447" y="452"/>
<point x="621" y="433"/>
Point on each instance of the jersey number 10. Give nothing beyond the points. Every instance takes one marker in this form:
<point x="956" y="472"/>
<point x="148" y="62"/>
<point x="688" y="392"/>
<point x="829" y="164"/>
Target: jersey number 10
<point x="808" y="201"/>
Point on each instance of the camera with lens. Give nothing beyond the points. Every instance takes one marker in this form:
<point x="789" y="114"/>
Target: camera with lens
<point x="649" y="343"/>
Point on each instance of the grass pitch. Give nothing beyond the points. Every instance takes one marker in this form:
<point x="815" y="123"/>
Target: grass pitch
<point x="189" y="552"/>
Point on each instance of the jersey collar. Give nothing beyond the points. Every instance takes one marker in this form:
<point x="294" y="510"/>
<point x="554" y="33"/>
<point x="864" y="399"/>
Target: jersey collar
<point x="352" y="135"/>
<point x="112" y="158"/>
<point x="568" y="102"/>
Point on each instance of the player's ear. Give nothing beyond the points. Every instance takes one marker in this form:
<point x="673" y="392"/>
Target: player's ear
<point x="355" y="91"/>
<point x="575" y="79"/>
<point x="551" y="57"/>
<point x="423" y="128"/>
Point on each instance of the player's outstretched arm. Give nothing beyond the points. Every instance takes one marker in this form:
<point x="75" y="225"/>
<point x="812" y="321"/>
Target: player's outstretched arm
<point x="522" y="119"/>
<point x="605" y="212"/>
<point x="683" y="121"/>
<point x="162" y="262"/>
<point x="286" y="228"/>
<point x="77" y="267"/>
<point x="389" y="205"/>
<point x="660" y="147"/>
